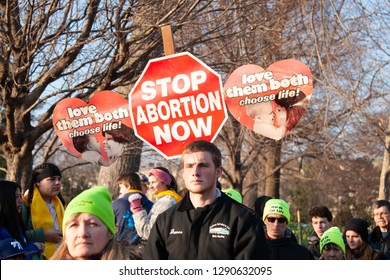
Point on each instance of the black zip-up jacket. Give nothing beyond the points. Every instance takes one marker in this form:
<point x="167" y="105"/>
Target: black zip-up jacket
<point x="285" y="249"/>
<point x="225" y="229"/>
<point x="380" y="243"/>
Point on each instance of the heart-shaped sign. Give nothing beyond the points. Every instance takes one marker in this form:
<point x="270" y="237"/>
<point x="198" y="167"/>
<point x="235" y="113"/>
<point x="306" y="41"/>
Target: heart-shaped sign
<point x="96" y="132"/>
<point x="270" y="102"/>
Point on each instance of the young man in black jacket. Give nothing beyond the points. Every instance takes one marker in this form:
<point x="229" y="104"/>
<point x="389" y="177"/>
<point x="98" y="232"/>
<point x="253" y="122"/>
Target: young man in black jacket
<point x="206" y="224"/>
<point x="321" y="220"/>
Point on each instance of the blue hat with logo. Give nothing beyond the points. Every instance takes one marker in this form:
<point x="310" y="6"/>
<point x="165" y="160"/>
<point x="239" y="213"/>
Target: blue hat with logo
<point x="9" y="248"/>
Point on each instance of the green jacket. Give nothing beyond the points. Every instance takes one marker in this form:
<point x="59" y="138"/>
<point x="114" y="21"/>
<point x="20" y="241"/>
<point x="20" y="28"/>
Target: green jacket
<point x="32" y="234"/>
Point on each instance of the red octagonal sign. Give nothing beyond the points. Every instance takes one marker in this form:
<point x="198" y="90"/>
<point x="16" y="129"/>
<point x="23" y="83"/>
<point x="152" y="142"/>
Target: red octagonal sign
<point x="177" y="99"/>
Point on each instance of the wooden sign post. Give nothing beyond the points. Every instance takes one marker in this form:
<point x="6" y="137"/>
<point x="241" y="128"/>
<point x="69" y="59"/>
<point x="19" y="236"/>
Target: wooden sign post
<point x="169" y="46"/>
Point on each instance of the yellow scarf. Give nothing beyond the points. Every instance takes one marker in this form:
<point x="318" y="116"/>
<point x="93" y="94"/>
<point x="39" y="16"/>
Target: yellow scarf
<point x="172" y="193"/>
<point x="133" y="191"/>
<point x="41" y="217"/>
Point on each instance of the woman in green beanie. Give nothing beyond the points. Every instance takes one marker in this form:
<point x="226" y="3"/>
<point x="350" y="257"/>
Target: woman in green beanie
<point x="89" y="229"/>
<point x="332" y="246"/>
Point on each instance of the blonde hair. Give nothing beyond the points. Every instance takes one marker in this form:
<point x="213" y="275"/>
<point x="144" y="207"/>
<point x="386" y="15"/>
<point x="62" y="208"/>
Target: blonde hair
<point x="115" y="250"/>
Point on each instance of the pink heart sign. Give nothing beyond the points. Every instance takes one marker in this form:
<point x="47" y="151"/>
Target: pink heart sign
<point x="96" y="131"/>
<point x="270" y="102"/>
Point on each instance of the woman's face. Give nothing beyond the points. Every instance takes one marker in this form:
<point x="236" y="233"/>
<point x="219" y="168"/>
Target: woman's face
<point x="156" y="185"/>
<point x="18" y="197"/>
<point x="112" y="148"/>
<point x="93" y="144"/>
<point x="332" y="252"/>
<point x="86" y="236"/>
<point x="49" y="187"/>
<point x="354" y="240"/>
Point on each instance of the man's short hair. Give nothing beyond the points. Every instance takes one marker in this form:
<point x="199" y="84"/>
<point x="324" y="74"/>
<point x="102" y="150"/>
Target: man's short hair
<point x="131" y="180"/>
<point x="380" y="203"/>
<point x="322" y="212"/>
<point x="204" y="146"/>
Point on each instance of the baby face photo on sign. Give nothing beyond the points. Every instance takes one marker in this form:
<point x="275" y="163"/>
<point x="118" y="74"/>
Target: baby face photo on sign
<point x="270" y="102"/>
<point x="96" y="132"/>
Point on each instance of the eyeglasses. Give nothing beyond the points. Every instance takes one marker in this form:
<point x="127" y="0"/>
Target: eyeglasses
<point x="273" y="219"/>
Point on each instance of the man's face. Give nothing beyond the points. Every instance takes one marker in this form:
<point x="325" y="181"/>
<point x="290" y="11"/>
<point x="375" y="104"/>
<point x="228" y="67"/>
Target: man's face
<point x="199" y="172"/>
<point x="320" y="225"/>
<point x="382" y="217"/>
<point x="276" y="225"/>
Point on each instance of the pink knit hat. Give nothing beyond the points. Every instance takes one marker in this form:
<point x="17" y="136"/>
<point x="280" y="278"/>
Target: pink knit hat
<point x="161" y="175"/>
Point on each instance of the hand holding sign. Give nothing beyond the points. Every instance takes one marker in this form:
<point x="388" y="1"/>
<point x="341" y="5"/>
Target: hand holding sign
<point x="97" y="131"/>
<point x="270" y="102"/>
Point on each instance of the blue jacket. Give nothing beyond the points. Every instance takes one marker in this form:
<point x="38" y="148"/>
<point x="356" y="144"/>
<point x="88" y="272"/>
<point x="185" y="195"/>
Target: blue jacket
<point x="33" y="251"/>
<point x="124" y="217"/>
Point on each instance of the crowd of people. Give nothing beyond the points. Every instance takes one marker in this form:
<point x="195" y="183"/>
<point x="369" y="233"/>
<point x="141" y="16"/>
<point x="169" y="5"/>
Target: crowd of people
<point x="204" y="222"/>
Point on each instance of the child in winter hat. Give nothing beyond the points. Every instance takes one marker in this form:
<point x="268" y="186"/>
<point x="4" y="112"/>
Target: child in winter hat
<point x="332" y="235"/>
<point x="277" y="206"/>
<point x="95" y="201"/>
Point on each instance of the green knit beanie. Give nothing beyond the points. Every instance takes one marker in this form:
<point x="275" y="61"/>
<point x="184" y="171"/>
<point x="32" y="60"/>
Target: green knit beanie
<point x="277" y="206"/>
<point x="234" y="194"/>
<point x="332" y="235"/>
<point x="95" y="201"/>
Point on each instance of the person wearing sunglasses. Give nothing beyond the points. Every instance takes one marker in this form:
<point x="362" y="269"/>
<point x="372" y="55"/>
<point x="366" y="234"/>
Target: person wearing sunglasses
<point x="276" y="217"/>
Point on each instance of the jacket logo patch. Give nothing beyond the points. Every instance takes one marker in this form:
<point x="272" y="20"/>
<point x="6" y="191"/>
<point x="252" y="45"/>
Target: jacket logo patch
<point x="173" y="231"/>
<point x="219" y="230"/>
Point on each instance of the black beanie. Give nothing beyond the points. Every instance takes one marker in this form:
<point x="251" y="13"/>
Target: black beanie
<point x="260" y="204"/>
<point x="45" y="170"/>
<point x="360" y="226"/>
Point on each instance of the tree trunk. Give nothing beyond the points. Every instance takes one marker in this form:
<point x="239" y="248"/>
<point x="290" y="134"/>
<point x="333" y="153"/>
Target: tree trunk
<point x="19" y="165"/>
<point x="237" y="164"/>
<point x="129" y="161"/>
<point x="272" y="180"/>
<point x="384" y="184"/>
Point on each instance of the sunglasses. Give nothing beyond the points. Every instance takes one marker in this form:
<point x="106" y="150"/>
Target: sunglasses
<point x="273" y="219"/>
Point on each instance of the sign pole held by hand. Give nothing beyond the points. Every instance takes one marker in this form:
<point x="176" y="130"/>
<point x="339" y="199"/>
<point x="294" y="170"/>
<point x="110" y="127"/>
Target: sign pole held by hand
<point x="169" y="47"/>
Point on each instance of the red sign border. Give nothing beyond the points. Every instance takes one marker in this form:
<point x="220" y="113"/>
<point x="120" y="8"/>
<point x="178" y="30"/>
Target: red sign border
<point x="221" y="89"/>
